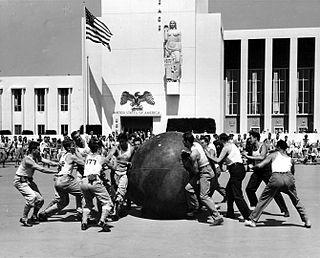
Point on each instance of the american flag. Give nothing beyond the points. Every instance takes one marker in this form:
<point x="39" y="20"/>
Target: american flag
<point x="97" y="31"/>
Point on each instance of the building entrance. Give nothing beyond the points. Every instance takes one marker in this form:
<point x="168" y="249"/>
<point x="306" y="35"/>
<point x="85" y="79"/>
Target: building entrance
<point x="132" y="124"/>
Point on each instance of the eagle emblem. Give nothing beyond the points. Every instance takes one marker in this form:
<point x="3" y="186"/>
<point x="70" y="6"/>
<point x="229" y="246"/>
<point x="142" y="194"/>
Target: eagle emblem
<point x="136" y="99"/>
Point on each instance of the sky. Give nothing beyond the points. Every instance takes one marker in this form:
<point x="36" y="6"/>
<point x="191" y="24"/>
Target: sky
<point x="267" y="14"/>
<point x="43" y="37"/>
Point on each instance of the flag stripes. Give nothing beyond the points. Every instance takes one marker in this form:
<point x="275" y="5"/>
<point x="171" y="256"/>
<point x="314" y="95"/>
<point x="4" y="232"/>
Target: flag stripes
<point x="97" y="31"/>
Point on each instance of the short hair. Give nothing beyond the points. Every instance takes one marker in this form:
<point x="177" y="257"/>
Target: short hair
<point x="33" y="145"/>
<point x="223" y="137"/>
<point x="123" y="137"/>
<point x="255" y="134"/>
<point x="188" y="137"/>
<point x="281" y="144"/>
<point x="67" y="143"/>
<point x="94" y="144"/>
<point x="204" y="138"/>
<point x="74" y="133"/>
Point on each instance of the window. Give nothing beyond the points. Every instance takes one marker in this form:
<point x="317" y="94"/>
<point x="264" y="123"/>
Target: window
<point x="305" y="88"/>
<point x="255" y="84"/>
<point x="17" y="129"/>
<point x="64" y="129"/>
<point x="232" y="91"/>
<point x="280" y="91"/>
<point x="41" y="129"/>
<point x="64" y="94"/>
<point x="17" y="95"/>
<point x="40" y="93"/>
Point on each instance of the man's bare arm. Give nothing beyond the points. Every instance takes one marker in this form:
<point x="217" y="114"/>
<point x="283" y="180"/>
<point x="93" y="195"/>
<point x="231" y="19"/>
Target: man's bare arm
<point x="223" y="154"/>
<point x="49" y="162"/>
<point x="42" y="169"/>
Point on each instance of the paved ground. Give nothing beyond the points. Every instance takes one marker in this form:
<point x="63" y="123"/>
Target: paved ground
<point x="134" y="236"/>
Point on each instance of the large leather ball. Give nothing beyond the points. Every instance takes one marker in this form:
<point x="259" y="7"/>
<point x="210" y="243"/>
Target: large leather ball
<point x="158" y="178"/>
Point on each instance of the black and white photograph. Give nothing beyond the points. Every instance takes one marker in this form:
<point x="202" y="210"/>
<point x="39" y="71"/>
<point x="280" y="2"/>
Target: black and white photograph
<point x="159" y="128"/>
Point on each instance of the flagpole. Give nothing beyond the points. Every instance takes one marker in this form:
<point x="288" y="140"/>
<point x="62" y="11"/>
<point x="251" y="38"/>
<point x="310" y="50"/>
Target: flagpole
<point x="88" y="90"/>
<point x="84" y="68"/>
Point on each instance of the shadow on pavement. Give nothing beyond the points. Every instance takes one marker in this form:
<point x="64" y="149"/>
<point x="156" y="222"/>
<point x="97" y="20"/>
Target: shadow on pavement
<point x="276" y="223"/>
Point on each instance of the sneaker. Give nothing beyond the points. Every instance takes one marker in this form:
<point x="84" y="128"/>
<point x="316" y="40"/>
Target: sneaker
<point x="105" y="227"/>
<point x="34" y="220"/>
<point x="84" y="226"/>
<point x="250" y="223"/>
<point x="24" y="222"/>
<point x="307" y="224"/>
<point x="216" y="222"/>
<point x="42" y="217"/>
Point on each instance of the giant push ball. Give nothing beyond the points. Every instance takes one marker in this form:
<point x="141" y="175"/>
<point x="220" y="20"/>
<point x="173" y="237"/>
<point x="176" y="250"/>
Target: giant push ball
<point x="158" y="178"/>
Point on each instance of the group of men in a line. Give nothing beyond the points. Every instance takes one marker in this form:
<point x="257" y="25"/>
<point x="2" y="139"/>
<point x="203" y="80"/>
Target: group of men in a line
<point x="80" y="173"/>
<point x="81" y="165"/>
<point x="276" y="169"/>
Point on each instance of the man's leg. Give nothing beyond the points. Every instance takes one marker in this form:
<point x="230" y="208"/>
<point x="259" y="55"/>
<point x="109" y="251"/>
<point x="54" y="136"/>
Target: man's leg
<point x="271" y="189"/>
<point x="30" y="197"/>
<point x="292" y="192"/>
<point x="205" y="178"/>
<point x="103" y="196"/>
<point x="87" y="204"/>
<point x="191" y="197"/>
<point x="278" y="197"/>
<point x="252" y="186"/>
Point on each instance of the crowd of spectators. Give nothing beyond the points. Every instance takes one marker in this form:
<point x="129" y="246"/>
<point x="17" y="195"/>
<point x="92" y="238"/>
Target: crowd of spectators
<point x="12" y="149"/>
<point x="302" y="148"/>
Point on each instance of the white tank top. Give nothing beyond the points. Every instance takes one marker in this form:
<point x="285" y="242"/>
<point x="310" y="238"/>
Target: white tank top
<point x="234" y="156"/>
<point x="124" y="155"/>
<point x="24" y="169"/>
<point x="203" y="161"/>
<point x="92" y="164"/>
<point x="67" y="168"/>
<point x="257" y="153"/>
<point x="281" y="164"/>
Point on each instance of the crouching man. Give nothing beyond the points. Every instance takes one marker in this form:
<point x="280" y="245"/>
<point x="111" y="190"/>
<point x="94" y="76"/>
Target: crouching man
<point x="92" y="186"/>
<point x="66" y="182"/>
<point x="201" y="166"/>
<point x="23" y="181"/>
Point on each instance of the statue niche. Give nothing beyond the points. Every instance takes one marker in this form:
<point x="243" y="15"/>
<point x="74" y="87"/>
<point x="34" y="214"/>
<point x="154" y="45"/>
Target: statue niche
<point x="172" y="52"/>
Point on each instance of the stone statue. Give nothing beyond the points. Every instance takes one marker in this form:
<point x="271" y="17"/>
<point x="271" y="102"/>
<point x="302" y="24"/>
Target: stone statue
<point x="172" y="52"/>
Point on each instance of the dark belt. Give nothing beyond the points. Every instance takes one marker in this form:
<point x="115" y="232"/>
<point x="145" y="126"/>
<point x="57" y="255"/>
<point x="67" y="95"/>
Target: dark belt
<point x="288" y="172"/>
<point x="234" y="164"/>
<point x="65" y="175"/>
<point x="25" y="178"/>
<point x="92" y="177"/>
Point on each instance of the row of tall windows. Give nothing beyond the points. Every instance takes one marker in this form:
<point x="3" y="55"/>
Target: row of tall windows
<point x="41" y="129"/>
<point x="40" y="95"/>
<point x="40" y="99"/>
<point x="280" y="77"/>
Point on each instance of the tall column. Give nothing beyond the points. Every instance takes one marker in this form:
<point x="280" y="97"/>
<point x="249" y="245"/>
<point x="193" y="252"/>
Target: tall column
<point x="268" y="85"/>
<point x="35" y="111"/>
<point x="23" y="96"/>
<point x="316" y="112"/>
<point x="1" y="109"/>
<point x="46" y="108"/>
<point x="293" y="83"/>
<point x="244" y="87"/>
<point x="12" y="111"/>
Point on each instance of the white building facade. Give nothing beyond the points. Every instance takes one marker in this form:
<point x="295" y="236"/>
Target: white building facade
<point x="264" y="79"/>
